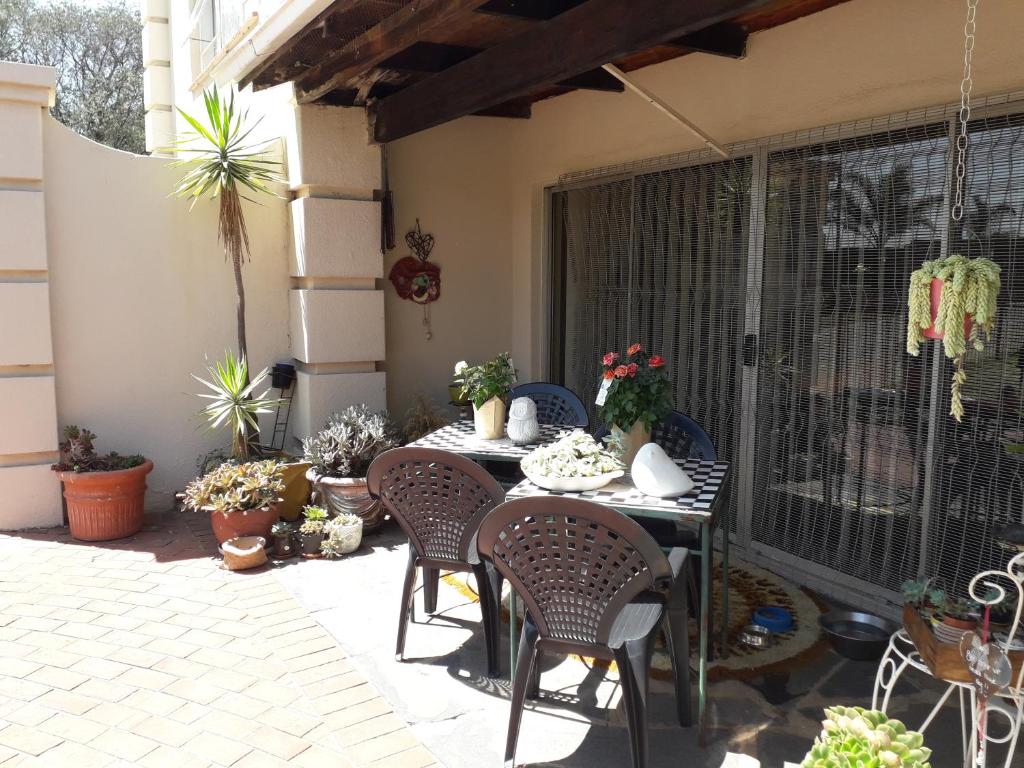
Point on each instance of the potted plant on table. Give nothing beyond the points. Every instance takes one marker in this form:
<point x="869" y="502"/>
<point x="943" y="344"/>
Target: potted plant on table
<point x="340" y="454"/>
<point x="311" y="532"/>
<point x="635" y="395"/>
<point x="241" y="498"/>
<point x="105" y="494"/>
<point x="488" y="386"/>
<point x="953" y="299"/>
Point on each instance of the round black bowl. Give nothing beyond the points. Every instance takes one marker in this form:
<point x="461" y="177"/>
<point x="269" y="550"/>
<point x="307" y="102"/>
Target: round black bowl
<point x="857" y="635"/>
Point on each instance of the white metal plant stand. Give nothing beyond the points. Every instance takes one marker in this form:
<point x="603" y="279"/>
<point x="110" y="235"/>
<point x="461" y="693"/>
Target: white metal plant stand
<point x="1007" y="701"/>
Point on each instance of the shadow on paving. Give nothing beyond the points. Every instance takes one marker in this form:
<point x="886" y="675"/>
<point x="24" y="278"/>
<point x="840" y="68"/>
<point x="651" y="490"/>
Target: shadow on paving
<point x="578" y="722"/>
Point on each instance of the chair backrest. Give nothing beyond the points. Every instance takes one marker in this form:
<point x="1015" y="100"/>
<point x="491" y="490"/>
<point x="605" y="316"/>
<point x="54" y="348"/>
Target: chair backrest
<point x="575" y="563"/>
<point x="438" y="498"/>
<point x="555" y="404"/>
<point x="680" y="436"/>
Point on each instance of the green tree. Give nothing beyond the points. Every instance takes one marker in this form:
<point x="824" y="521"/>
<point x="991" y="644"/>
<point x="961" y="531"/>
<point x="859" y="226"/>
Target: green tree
<point x="97" y="51"/>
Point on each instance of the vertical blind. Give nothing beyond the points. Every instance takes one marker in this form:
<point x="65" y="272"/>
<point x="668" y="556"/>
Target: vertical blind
<point x="856" y="471"/>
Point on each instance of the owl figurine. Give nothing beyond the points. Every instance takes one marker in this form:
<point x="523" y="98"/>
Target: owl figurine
<point x="522" y="421"/>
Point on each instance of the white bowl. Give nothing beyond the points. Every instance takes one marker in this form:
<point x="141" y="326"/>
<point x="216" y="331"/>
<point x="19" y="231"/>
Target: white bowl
<point x="572" y="484"/>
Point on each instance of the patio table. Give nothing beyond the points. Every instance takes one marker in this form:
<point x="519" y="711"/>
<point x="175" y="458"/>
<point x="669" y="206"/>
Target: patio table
<point x="460" y="437"/>
<point x="701" y="507"/>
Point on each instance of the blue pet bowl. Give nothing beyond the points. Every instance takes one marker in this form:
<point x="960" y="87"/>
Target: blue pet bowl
<point x="773" y="617"/>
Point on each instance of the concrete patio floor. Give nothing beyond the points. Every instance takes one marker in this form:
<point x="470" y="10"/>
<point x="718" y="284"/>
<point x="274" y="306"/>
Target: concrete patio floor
<point x="143" y="652"/>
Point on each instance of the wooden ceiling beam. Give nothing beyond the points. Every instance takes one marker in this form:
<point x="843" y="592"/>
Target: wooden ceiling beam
<point x="537" y="10"/>
<point x="723" y="39"/>
<point x="585" y="38"/>
<point x="364" y="52"/>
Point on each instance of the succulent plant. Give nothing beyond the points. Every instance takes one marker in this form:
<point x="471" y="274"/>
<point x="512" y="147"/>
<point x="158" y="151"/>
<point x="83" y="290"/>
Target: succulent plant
<point x="313" y="512"/>
<point x="853" y="737"/>
<point x="334" y="543"/>
<point x="237" y="487"/>
<point x="77" y="454"/>
<point x="281" y="528"/>
<point x="349" y="442"/>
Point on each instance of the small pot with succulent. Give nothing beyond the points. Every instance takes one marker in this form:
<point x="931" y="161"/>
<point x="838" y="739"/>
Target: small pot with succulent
<point x="488" y="386"/>
<point x="343" y="535"/>
<point x="311" y="532"/>
<point x="284" y="545"/>
<point x="105" y="494"/>
<point x="958" y="613"/>
<point x="340" y="454"/>
<point x="853" y="736"/>
<point x="635" y="395"/>
<point x="240" y="498"/>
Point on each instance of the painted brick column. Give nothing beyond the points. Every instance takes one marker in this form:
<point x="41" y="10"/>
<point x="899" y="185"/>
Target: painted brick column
<point x="336" y="308"/>
<point x="157" y="82"/>
<point x="29" y="491"/>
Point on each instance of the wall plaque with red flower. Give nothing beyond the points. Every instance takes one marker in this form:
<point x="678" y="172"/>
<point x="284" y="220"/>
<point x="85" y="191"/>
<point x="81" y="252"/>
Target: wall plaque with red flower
<point x="415" y="278"/>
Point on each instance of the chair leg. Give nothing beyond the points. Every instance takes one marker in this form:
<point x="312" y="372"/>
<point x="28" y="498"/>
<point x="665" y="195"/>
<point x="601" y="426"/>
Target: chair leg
<point x="534" y="692"/>
<point x="431" y="577"/>
<point x="408" y="592"/>
<point x="524" y="674"/>
<point x="489" y="608"/>
<point x="676" y="630"/>
<point x="634" y="661"/>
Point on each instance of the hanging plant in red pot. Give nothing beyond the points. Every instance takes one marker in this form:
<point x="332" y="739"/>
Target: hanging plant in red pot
<point x="105" y="494"/>
<point x="953" y="299"/>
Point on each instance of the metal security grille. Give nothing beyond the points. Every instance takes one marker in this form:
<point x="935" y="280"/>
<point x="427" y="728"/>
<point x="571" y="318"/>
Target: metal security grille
<point x="849" y="473"/>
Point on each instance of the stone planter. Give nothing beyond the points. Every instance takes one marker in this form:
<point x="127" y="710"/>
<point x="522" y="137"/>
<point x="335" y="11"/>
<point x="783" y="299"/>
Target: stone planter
<point x="106" y="505"/>
<point x="489" y="419"/>
<point x="249" y="522"/>
<point x="347" y="495"/>
<point x="637" y="437"/>
<point x="347" y="538"/>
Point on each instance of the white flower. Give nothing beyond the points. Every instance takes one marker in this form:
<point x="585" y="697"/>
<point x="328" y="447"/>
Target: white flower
<point x="575" y="455"/>
<point x="461" y="366"/>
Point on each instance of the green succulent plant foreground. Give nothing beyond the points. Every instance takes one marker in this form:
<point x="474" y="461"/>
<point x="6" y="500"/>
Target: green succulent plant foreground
<point x="853" y="737"/>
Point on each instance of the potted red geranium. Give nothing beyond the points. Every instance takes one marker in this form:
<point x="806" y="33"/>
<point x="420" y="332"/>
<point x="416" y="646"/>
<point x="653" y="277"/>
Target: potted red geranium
<point x="634" y="396"/>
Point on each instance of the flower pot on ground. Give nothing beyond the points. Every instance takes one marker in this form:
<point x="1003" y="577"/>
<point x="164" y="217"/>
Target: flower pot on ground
<point x="241" y="499"/>
<point x="105" y="494"/>
<point x="339" y="455"/>
<point x="488" y="386"/>
<point x="311" y="534"/>
<point x="635" y="395"/>
<point x="344" y="534"/>
<point x="297" y="490"/>
<point x="284" y="546"/>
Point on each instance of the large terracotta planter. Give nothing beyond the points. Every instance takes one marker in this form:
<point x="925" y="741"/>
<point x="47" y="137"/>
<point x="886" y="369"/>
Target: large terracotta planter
<point x="250" y="522"/>
<point x="489" y="419"/>
<point x="106" y="505"/>
<point x="296" y="490"/>
<point x="632" y="441"/>
<point x="936" y="299"/>
<point x="347" y="495"/>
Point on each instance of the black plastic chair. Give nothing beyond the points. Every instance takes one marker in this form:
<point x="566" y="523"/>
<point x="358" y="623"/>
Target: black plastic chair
<point x="596" y="584"/>
<point x="555" y="404"/>
<point x="439" y="499"/>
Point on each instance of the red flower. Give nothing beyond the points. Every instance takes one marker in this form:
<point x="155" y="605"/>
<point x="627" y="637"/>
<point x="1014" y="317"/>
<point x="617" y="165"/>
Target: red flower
<point x="656" y="361"/>
<point x="609" y="374"/>
<point x="632" y="369"/>
<point x="610" y="358"/>
<point x="634" y="349"/>
<point x="622" y="371"/>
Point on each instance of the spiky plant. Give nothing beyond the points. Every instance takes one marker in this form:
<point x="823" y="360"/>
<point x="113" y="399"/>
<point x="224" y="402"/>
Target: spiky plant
<point x="233" y="403"/>
<point x="853" y="737"/>
<point x="223" y="164"/>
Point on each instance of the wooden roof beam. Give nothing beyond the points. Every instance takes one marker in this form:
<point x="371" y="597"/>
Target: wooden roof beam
<point x="723" y="39"/>
<point x="394" y="34"/>
<point x="585" y="37"/>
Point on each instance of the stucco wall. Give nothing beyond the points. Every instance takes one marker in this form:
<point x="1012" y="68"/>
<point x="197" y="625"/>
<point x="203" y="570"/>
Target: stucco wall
<point x="478" y="183"/>
<point x="140" y="291"/>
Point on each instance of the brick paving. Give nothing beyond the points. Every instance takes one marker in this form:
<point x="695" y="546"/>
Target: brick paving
<point x="143" y="652"/>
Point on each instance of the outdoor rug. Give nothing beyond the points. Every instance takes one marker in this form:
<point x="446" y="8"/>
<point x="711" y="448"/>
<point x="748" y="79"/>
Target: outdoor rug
<point x="750" y="587"/>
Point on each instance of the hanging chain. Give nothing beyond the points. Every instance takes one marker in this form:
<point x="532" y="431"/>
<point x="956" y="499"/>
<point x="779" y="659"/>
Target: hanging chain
<point x="965" y="110"/>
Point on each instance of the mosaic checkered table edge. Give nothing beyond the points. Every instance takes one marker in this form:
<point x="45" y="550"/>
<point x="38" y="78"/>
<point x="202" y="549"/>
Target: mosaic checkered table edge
<point x="461" y="438"/>
<point x="708" y="478"/>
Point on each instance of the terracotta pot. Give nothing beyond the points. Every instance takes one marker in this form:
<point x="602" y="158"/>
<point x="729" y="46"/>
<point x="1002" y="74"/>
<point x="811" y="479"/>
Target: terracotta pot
<point x="249" y="522"/>
<point x="637" y="437"/>
<point x="106" y="505"/>
<point x="936" y="299"/>
<point x="347" y="495"/>
<point x="489" y="419"/>
<point x="965" y="624"/>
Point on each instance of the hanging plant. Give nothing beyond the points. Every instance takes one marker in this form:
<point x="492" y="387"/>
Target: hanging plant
<point x="962" y="309"/>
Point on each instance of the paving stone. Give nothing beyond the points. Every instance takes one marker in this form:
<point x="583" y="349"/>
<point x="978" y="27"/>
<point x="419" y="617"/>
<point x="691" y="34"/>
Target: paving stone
<point x="166" y="731"/>
<point x="72" y="728"/>
<point x="369" y="729"/>
<point x="101" y="668"/>
<point x="70" y="754"/>
<point x="29" y="740"/>
<point x="383" y="746"/>
<point x="57" y="678"/>
<point x="219" y="749"/>
<point x="277" y="742"/>
<point x="15" y="667"/>
<point x="417" y="757"/>
<point x="124" y="745"/>
<point x="258" y="759"/>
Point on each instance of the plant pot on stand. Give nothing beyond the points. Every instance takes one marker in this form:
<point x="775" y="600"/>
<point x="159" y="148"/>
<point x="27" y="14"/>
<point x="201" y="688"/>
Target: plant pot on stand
<point x="103" y="506"/>
<point x="347" y="495"/>
<point x="489" y="419"/>
<point x="632" y="441"/>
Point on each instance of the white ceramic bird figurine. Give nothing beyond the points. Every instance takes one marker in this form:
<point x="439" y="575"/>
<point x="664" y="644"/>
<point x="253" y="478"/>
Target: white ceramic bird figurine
<point x="655" y="474"/>
<point x="522" y="421"/>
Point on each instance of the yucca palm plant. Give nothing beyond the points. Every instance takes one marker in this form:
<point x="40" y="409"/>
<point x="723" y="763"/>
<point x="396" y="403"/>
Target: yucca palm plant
<point x="233" y="403"/>
<point x="223" y="164"/>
